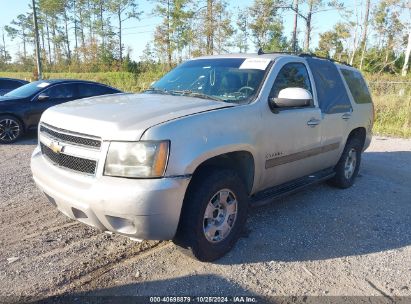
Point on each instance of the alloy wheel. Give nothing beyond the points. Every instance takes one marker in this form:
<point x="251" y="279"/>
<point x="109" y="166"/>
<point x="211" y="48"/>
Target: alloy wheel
<point x="220" y="216"/>
<point x="350" y="163"/>
<point x="9" y="130"/>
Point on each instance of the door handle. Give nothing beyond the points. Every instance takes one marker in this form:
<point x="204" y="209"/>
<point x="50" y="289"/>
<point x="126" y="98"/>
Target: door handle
<point x="313" y="122"/>
<point x="346" y="116"/>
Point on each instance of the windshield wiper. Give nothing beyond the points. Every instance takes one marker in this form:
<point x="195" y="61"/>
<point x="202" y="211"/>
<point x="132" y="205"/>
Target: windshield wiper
<point x="157" y="90"/>
<point x="182" y="92"/>
<point x="195" y="94"/>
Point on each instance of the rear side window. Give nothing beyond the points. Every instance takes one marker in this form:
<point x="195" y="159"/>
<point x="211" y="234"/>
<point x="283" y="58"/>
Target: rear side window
<point x="88" y="90"/>
<point x="357" y="86"/>
<point x="331" y="92"/>
<point x="291" y="75"/>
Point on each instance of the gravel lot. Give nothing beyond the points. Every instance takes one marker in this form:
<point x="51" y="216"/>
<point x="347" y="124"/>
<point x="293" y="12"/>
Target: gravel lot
<point x="321" y="241"/>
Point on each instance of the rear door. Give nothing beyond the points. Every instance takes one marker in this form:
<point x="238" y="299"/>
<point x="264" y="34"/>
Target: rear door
<point x="336" y="109"/>
<point x="291" y="137"/>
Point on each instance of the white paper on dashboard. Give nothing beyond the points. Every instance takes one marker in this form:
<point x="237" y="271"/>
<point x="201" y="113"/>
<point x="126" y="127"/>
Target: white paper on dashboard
<point x="43" y="85"/>
<point x="255" y="64"/>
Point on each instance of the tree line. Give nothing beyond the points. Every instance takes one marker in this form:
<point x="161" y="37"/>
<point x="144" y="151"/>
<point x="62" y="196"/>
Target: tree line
<point x="88" y="35"/>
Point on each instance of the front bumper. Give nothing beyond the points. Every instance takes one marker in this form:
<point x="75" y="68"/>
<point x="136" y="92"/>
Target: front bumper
<point x="146" y="209"/>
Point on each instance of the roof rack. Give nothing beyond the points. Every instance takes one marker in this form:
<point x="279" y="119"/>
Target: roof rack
<point x="326" y="58"/>
<point x="261" y="52"/>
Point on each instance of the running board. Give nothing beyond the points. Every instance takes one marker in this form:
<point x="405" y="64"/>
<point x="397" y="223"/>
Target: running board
<point x="270" y="194"/>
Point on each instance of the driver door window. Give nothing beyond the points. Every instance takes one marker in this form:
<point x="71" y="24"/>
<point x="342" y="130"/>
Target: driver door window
<point x="291" y="75"/>
<point x="61" y="92"/>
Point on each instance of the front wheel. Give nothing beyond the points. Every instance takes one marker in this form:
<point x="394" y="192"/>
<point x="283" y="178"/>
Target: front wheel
<point x="214" y="214"/>
<point x="11" y="129"/>
<point x="348" y="166"/>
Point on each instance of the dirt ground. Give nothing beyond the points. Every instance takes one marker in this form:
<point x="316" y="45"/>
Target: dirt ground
<point x="321" y="241"/>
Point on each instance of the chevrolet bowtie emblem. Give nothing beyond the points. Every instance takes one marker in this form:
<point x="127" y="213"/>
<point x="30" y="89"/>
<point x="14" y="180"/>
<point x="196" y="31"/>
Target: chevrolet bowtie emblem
<point x="56" y="147"/>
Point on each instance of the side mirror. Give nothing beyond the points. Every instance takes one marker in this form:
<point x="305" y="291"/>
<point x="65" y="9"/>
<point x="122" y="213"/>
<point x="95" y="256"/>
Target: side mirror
<point x="42" y="97"/>
<point x="291" y="97"/>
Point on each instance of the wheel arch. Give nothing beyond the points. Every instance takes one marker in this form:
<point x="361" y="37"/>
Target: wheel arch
<point x="242" y="162"/>
<point x="360" y="133"/>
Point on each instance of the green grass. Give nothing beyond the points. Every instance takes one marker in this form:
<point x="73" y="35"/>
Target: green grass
<point x="393" y="115"/>
<point x="124" y="81"/>
<point x="392" y="100"/>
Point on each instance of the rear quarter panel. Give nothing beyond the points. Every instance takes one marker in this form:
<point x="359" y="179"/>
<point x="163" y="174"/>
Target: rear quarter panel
<point x="363" y="114"/>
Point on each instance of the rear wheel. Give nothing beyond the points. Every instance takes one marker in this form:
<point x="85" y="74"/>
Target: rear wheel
<point x="213" y="215"/>
<point x="348" y="166"/>
<point x="11" y="129"/>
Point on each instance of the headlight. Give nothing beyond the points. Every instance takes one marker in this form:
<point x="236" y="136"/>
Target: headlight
<point x="137" y="159"/>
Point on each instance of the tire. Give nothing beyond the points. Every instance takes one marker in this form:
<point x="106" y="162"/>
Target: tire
<point x="11" y="129"/>
<point x="216" y="201"/>
<point x="348" y="166"/>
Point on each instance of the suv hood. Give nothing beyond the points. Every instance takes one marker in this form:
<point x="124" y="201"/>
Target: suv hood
<point x="124" y="116"/>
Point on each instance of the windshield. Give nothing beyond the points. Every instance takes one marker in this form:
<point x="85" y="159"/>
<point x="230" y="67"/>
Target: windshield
<point x="234" y="80"/>
<point x="28" y="89"/>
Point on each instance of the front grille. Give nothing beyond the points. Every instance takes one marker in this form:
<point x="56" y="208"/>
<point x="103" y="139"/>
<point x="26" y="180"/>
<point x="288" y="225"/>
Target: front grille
<point x="70" y="162"/>
<point x="68" y="138"/>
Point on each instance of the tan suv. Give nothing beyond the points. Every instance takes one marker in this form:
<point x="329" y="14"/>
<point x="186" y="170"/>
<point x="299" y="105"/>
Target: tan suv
<point x="184" y="160"/>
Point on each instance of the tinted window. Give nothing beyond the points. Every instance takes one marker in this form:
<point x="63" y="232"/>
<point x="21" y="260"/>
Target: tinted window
<point x="88" y="90"/>
<point x="331" y="93"/>
<point x="291" y="75"/>
<point x="357" y="86"/>
<point x="9" y="84"/>
<point x="61" y="91"/>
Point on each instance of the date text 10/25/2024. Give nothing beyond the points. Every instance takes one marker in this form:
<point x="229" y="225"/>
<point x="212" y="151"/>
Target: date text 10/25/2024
<point x="204" y="299"/>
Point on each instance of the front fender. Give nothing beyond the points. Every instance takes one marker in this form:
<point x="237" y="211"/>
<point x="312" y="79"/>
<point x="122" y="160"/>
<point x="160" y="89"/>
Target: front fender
<point x="197" y="138"/>
<point x="216" y="151"/>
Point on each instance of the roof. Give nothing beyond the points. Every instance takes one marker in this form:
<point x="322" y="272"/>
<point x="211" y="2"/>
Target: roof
<point x="54" y="81"/>
<point x="60" y="80"/>
<point x="272" y="56"/>
<point x="246" y="55"/>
